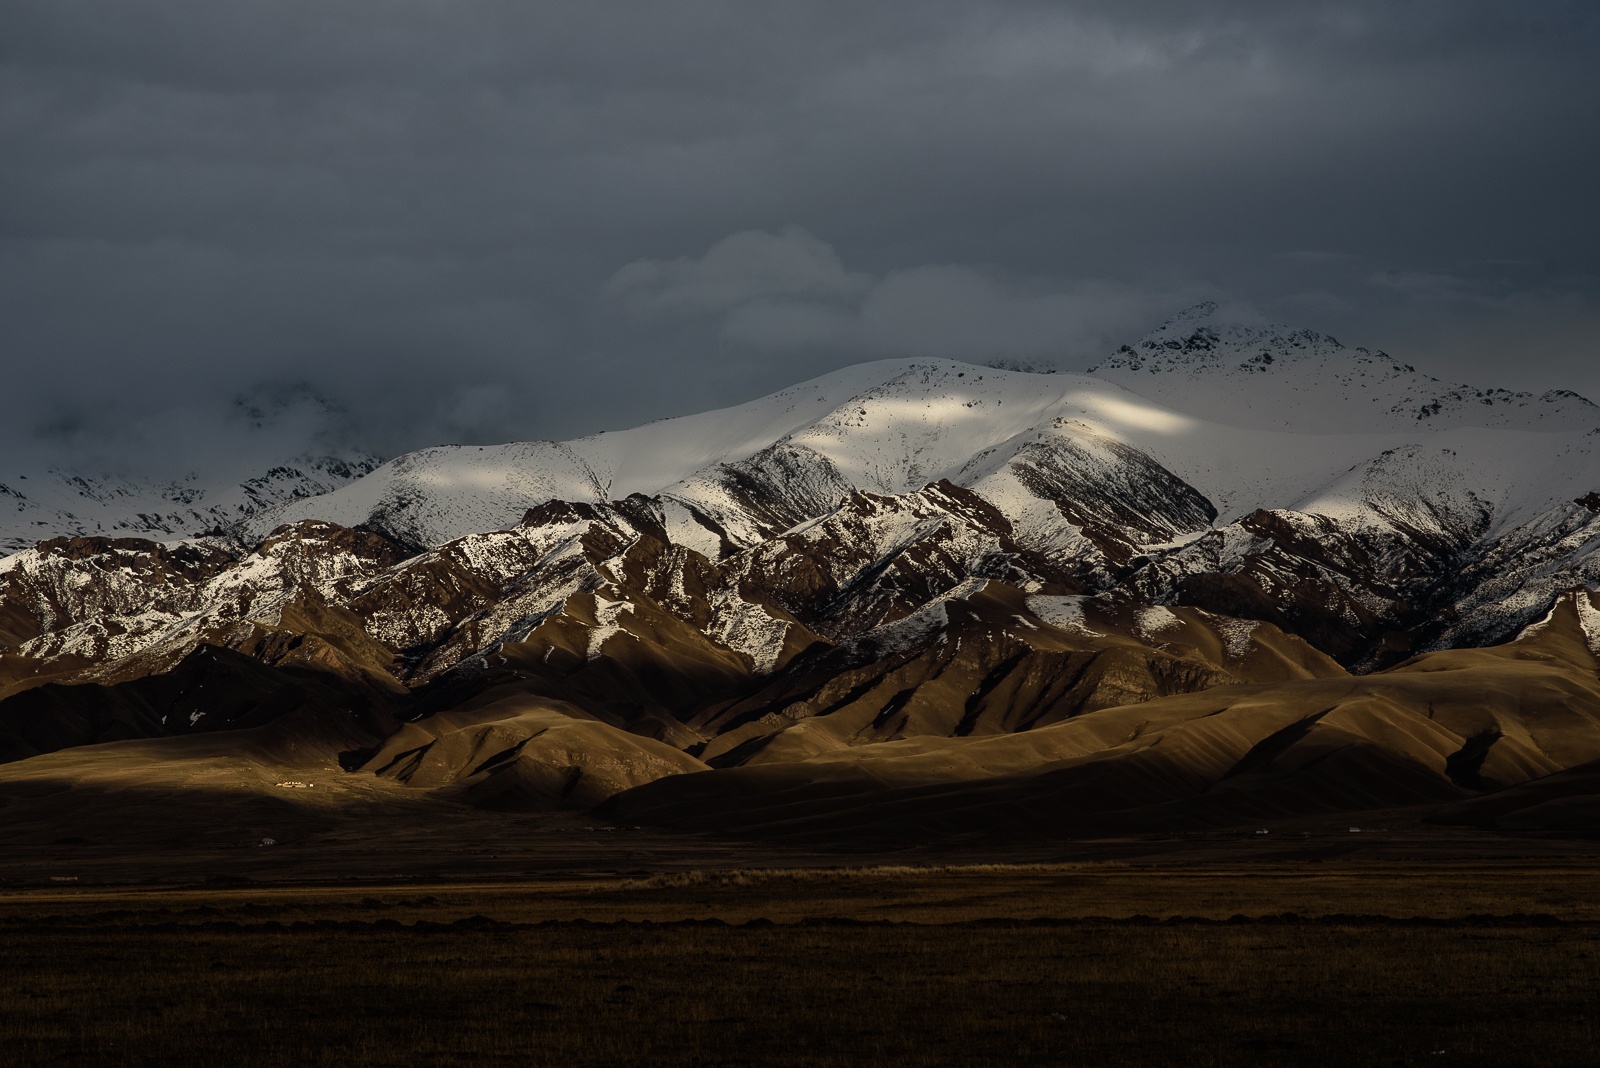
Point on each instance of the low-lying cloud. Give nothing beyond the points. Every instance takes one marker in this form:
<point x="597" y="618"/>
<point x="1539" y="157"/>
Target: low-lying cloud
<point x="789" y="291"/>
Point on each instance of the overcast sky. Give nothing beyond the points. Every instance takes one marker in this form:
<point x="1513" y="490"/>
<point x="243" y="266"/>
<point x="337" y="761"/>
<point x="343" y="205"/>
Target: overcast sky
<point x="474" y="220"/>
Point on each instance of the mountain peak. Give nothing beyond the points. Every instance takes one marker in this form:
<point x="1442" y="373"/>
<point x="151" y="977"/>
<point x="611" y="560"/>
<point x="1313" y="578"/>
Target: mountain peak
<point x="1194" y="313"/>
<point x="1203" y="336"/>
<point x="1270" y="376"/>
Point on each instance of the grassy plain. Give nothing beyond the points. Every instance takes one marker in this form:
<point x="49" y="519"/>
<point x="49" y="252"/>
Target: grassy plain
<point x="1482" y="963"/>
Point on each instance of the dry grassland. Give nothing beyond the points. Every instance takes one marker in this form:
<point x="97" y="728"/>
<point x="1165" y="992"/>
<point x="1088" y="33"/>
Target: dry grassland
<point x="1092" y="965"/>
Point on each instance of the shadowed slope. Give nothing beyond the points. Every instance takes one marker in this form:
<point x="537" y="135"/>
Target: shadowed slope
<point x="211" y="689"/>
<point x="1222" y="756"/>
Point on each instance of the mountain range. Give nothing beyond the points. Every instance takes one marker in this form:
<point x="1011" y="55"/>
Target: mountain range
<point x="1236" y="573"/>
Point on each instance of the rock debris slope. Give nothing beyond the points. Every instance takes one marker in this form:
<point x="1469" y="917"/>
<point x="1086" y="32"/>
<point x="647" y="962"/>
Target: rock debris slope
<point x="1236" y="572"/>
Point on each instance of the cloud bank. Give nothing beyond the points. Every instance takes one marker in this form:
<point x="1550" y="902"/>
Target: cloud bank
<point x="483" y="220"/>
<point x="789" y="292"/>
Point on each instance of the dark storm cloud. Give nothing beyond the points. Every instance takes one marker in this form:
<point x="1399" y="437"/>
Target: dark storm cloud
<point x="478" y="220"/>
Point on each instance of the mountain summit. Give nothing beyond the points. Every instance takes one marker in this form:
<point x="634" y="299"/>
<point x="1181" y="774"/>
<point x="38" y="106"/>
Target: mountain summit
<point x="1270" y="376"/>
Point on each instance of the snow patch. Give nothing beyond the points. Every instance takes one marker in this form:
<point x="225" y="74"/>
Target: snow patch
<point x="1588" y="619"/>
<point x="750" y="629"/>
<point x="1063" y="611"/>
<point x="1238" y="635"/>
<point x="1151" y="621"/>
<point x="608" y="615"/>
<point x="920" y="628"/>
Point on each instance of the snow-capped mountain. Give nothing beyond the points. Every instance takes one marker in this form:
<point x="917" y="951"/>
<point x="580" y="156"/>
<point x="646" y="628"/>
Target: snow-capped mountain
<point x="1257" y="470"/>
<point x="1300" y="430"/>
<point x="271" y="445"/>
<point x="1276" y="461"/>
<point x="907" y="553"/>
<point x="52" y="502"/>
<point x="1272" y="377"/>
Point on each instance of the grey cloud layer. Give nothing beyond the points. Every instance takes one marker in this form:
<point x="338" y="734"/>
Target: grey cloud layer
<point x="790" y="292"/>
<point x="480" y="220"/>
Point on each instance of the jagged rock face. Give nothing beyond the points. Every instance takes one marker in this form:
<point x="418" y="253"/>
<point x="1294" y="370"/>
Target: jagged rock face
<point x="66" y="580"/>
<point x="1352" y="576"/>
<point x="748" y="501"/>
<point x="1510" y="581"/>
<point x="1342" y="587"/>
<point x="1111" y="502"/>
<point x="876" y="559"/>
<point x="102" y="602"/>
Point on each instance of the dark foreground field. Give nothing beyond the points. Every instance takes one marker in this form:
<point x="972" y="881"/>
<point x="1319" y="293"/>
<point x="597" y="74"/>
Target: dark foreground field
<point x="1487" y="964"/>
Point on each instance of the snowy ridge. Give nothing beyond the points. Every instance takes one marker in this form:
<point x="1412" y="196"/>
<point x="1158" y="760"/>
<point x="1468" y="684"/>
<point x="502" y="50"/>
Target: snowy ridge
<point x="1248" y="471"/>
<point x="1274" y="377"/>
<point x="1196" y="398"/>
<point x="1165" y="454"/>
<point x="52" y="503"/>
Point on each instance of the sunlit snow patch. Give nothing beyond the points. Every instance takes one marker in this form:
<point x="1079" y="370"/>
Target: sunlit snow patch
<point x="1152" y="621"/>
<point x="1238" y="635"/>
<point x="1063" y="611"/>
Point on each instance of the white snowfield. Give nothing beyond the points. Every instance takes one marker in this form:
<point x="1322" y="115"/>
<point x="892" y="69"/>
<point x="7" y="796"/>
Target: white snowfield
<point x="1317" y="427"/>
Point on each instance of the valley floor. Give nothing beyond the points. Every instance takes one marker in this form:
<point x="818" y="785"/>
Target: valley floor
<point x="175" y="903"/>
<point x="1267" y="962"/>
